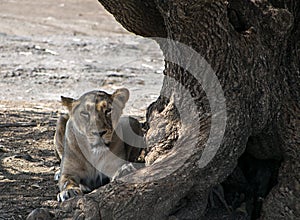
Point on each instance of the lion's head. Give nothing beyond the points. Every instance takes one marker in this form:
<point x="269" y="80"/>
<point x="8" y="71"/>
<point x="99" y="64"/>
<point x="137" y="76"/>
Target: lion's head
<point x="95" y="114"/>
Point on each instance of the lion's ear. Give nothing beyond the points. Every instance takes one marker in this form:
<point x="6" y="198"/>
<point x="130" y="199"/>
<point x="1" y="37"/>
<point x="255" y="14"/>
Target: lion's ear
<point x="120" y="97"/>
<point x="68" y="102"/>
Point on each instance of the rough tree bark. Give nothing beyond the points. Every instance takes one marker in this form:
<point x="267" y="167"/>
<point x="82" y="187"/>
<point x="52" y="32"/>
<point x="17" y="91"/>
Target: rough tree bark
<point x="253" y="47"/>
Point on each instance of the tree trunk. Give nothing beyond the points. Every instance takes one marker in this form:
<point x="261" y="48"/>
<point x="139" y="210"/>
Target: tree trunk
<point x="234" y="76"/>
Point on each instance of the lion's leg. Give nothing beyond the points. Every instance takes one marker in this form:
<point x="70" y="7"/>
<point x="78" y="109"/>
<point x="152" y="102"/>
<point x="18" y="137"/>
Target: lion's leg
<point x="73" y="172"/>
<point x="59" y="139"/>
<point x="69" y="187"/>
<point x="59" y="136"/>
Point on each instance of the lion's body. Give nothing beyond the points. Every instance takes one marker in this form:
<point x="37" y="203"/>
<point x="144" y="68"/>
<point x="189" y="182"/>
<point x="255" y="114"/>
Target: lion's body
<point x="89" y="141"/>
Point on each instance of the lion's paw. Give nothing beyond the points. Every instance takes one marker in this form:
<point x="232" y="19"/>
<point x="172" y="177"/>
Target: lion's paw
<point x="69" y="193"/>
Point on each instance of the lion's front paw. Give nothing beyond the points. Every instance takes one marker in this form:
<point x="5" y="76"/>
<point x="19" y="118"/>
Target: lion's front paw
<point x="69" y="193"/>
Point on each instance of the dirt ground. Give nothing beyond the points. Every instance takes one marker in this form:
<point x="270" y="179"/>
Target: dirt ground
<point x="51" y="48"/>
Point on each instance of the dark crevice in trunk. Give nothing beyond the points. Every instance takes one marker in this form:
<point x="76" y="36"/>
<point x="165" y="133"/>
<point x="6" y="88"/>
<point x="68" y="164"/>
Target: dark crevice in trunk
<point x="250" y="183"/>
<point x="237" y="19"/>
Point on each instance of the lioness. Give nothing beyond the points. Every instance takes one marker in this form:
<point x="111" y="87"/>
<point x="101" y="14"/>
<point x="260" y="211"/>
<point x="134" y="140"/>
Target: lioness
<point x="89" y="141"/>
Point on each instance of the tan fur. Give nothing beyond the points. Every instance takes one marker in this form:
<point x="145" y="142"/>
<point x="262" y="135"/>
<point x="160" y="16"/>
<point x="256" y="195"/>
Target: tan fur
<point x="60" y="135"/>
<point x="87" y="142"/>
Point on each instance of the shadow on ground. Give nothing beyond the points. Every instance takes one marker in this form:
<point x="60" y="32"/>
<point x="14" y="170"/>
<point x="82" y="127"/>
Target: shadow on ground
<point x="27" y="161"/>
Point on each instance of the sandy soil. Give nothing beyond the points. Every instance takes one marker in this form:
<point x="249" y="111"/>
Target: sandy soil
<point x="51" y="48"/>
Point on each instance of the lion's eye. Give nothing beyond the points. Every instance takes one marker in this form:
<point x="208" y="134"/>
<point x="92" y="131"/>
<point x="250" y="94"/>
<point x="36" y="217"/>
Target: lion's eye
<point x="85" y="114"/>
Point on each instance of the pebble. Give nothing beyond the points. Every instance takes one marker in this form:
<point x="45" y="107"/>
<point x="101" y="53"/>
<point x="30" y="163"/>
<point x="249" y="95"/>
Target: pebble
<point x="36" y="186"/>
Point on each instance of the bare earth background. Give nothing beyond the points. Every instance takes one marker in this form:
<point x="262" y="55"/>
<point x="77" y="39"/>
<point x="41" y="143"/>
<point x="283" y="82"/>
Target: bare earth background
<point x="51" y="48"/>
